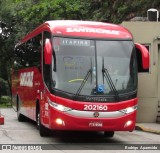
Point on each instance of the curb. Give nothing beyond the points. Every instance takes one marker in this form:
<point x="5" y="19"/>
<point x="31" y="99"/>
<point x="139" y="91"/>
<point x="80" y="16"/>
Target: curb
<point x="142" y="128"/>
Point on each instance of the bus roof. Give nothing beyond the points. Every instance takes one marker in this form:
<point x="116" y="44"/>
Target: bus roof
<point x="86" y="29"/>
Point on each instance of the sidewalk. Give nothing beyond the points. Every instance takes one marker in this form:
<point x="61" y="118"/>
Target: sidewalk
<point x="148" y="127"/>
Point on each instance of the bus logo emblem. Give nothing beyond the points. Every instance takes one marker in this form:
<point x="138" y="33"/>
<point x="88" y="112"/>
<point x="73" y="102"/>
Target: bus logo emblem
<point x="96" y="114"/>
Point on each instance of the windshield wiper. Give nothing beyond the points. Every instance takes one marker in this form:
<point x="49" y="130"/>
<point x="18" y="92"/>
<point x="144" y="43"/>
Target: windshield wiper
<point x="83" y="83"/>
<point x="110" y="82"/>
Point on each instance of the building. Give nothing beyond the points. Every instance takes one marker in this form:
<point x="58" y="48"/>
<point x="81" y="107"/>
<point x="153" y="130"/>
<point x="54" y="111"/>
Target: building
<point x="148" y="34"/>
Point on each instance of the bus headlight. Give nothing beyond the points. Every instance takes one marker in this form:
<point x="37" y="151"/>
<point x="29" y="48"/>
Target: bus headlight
<point x="58" y="106"/>
<point x="129" y="110"/>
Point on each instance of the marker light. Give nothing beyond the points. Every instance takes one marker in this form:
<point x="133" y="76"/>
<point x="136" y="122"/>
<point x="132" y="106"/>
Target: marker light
<point x="58" y="106"/>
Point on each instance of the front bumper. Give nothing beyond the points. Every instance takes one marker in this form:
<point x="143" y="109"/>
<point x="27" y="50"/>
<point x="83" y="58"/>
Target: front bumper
<point x="91" y="121"/>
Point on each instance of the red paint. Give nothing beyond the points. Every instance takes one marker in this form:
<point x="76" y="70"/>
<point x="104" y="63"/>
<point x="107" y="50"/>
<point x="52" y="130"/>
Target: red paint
<point x="145" y="55"/>
<point x="29" y="87"/>
<point x="1" y="120"/>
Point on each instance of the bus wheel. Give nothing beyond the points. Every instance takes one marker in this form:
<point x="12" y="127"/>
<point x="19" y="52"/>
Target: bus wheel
<point x="43" y="131"/>
<point x="109" y="134"/>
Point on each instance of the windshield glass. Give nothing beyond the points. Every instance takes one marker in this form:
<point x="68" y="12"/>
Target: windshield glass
<point x="74" y="58"/>
<point x="81" y="67"/>
<point x="118" y="59"/>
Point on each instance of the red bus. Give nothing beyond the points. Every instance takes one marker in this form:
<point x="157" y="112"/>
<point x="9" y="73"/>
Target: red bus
<point x="77" y="75"/>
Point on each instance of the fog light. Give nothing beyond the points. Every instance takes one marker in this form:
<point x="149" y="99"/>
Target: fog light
<point x="128" y="123"/>
<point x="59" y="121"/>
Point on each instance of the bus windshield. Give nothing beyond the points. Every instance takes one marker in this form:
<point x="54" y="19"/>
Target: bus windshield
<point x="89" y="68"/>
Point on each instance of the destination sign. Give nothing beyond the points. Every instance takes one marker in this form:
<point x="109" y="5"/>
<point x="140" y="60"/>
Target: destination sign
<point x="75" y="42"/>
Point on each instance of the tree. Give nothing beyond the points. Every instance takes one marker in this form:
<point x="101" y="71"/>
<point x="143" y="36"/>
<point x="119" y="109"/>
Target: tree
<point x="29" y="14"/>
<point x="116" y="11"/>
<point x="6" y="39"/>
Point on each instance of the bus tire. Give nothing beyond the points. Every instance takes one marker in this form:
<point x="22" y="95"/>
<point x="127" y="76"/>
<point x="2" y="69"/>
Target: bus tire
<point x="20" y="117"/>
<point x="43" y="131"/>
<point x="109" y="134"/>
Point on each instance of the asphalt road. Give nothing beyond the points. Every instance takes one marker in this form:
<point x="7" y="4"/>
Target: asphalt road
<point x="26" y="133"/>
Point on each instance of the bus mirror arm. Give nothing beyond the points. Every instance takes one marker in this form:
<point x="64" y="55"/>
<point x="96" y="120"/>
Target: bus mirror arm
<point x="144" y="54"/>
<point x="48" y="52"/>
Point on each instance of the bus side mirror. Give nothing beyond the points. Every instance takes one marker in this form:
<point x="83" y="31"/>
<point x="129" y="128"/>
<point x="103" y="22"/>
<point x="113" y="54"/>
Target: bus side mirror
<point x="144" y="55"/>
<point x="48" y="52"/>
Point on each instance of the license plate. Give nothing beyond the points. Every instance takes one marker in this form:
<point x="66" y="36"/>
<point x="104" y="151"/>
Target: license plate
<point x="95" y="124"/>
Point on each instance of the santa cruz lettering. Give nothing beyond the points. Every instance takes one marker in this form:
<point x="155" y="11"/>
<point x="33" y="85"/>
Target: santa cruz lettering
<point x="26" y="79"/>
<point x="92" y="30"/>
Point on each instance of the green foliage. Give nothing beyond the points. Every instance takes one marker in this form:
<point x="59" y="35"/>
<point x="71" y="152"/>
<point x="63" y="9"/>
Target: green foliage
<point x="5" y="101"/>
<point x="4" y="88"/>
<point x="115" y="11"/>
<point x="30" y="13"/>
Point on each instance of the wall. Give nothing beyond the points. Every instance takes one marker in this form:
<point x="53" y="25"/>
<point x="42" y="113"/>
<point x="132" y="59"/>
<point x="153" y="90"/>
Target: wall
<point x="148" y="90"/>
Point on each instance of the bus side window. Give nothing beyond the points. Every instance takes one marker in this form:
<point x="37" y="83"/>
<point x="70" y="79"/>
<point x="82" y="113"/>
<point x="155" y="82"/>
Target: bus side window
<point x="33" y="51"/>
<point x="19" y="52"/>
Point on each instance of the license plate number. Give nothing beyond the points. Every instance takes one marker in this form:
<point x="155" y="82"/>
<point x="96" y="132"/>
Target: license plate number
<point x="95" y="124"/>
